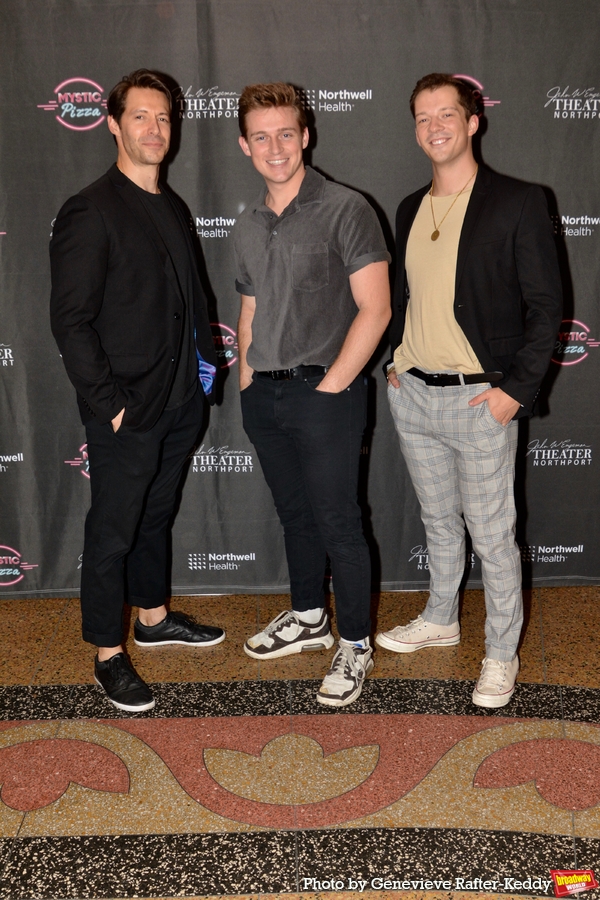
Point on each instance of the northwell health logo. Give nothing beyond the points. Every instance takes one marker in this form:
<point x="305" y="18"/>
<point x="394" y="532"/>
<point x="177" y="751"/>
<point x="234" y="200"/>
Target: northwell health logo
<point x="547" y="554"/>
<point x="215" y="227"/>
<point x="7" y="458"/>
<point x="339" y="100"/>
<point x="575" y="226"/>
<point x="219" y="561"/>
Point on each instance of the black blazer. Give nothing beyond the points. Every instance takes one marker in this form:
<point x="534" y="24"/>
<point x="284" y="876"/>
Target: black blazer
<point x="116" y="305"/>
<point x="508" y="295"/>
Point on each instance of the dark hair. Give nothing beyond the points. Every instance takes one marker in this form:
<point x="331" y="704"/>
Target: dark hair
<point x="263" y="96"/>
<point x="468" y="97"/>
<point x="141" y="78"/>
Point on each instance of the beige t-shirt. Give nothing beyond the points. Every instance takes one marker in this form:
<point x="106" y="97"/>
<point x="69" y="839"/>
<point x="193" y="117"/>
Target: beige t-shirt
<point x="433" y="340"/>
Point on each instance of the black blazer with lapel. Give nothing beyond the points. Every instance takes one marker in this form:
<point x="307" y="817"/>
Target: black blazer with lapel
<point x="508" y="296"/>
<point x="116" y="306"/>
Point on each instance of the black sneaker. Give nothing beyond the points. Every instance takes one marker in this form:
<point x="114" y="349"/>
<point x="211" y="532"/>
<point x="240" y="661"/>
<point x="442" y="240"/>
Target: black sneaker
<point x="177" y="628"/>
<point x="122" y="684"/>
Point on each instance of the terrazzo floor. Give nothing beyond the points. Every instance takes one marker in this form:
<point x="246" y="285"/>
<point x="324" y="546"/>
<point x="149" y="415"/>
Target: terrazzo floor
<point x="240" y="784"/>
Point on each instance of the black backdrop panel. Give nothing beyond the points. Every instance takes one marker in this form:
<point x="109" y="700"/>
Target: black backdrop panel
<point x="536" y="64"/>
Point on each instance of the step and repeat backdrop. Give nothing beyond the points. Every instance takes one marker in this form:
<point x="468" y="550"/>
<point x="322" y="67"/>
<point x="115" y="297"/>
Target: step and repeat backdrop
<point x="535" y="63"/>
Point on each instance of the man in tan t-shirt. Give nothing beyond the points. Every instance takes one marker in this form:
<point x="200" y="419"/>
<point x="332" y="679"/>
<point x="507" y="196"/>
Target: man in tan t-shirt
<point x="477" y="306"/>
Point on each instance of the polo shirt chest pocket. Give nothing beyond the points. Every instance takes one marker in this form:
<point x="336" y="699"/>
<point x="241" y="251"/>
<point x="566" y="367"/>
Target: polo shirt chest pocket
<point x="310" y="266"/>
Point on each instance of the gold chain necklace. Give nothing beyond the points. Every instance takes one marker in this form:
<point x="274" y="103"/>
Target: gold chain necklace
<point x="436" y="232"/>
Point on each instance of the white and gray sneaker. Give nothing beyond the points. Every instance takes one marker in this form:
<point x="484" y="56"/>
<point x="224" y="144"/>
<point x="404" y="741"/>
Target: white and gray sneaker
<point x="344" y="681"/>
<point x="288" y="634"/>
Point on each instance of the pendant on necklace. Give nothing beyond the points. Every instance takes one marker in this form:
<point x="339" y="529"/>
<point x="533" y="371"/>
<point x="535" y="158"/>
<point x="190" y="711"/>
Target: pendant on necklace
<point x="435" y="235"/>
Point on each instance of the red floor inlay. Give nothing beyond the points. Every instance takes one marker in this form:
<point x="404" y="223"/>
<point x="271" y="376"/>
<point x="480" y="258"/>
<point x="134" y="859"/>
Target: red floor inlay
<point x="410" y="745"/>
<point x="36" y="773"/>
<point x="566" y="772"/>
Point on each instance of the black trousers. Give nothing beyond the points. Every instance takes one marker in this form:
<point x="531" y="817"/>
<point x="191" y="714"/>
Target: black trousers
<point x="134" y="478"/>
<point x="308" y="443"/>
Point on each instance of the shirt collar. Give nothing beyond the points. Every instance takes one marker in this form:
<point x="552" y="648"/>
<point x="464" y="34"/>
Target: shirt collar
<point x="311" y="191"/>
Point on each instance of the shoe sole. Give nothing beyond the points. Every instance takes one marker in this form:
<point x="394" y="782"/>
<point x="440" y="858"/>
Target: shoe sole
<point x="216" y="641"/>
<point x="335" y="701"/>
<point x="397" y="647"/>
<point x="322" y="643"/>
<point x="123" y="706"/>
<point x="489" y="701"/>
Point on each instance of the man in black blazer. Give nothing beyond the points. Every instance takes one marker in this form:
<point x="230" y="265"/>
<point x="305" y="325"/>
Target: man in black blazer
<point x="476" y="310"/>
<point x="129" y="316"/>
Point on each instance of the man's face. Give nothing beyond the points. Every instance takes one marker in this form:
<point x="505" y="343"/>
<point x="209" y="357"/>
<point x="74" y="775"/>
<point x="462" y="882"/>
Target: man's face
<point x="144" y="133"/>
<point x="443" y="130"/>
<point x="275" y="143"/>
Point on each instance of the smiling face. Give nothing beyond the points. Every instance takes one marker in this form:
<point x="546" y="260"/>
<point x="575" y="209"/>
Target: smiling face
<point x="144" y="132"/>
<point x="443" y="130"/>
<point x="274" y="142"/>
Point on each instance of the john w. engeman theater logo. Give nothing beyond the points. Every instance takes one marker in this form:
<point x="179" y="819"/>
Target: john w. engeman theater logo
<point x="78" y="104"/>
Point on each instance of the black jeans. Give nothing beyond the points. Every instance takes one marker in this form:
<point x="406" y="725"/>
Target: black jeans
<point x="134" y="478"/>
<point x="308" y="443"/>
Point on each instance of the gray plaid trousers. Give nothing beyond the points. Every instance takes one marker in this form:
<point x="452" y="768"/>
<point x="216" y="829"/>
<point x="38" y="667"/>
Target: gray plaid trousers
<point x="462" y="464"/>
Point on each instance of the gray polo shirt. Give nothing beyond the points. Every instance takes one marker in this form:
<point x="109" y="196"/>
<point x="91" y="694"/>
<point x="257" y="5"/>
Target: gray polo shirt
<point x="298" y="264"/>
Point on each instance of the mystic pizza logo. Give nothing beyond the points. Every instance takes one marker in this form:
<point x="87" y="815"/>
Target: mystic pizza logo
<point x="79" y="104"/>
<point x="479" y="89"/>
<point x="81" y="462"/>
<point x="12" y="567"/>
<point x="226" y="344"/>
<point x="573" y="343"/>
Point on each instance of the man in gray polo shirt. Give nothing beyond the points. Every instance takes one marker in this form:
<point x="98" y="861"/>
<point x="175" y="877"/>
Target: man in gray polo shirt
<point x="312" y="271"/>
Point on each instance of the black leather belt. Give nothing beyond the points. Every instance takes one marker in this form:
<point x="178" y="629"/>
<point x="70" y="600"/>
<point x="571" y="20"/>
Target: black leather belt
<point x="444" y="380"/>
<point x="297" y="372"/>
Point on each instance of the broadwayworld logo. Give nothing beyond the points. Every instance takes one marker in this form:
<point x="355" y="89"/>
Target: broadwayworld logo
<point x="572" y="881"/>
<point x="219" y="561"/>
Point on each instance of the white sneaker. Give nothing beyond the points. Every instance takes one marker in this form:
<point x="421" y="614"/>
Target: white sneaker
<point x="496" y="683"/>
<point x="344" y="681"/>
<point x="418" y="634"/>
<point x="287" y="634"/>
